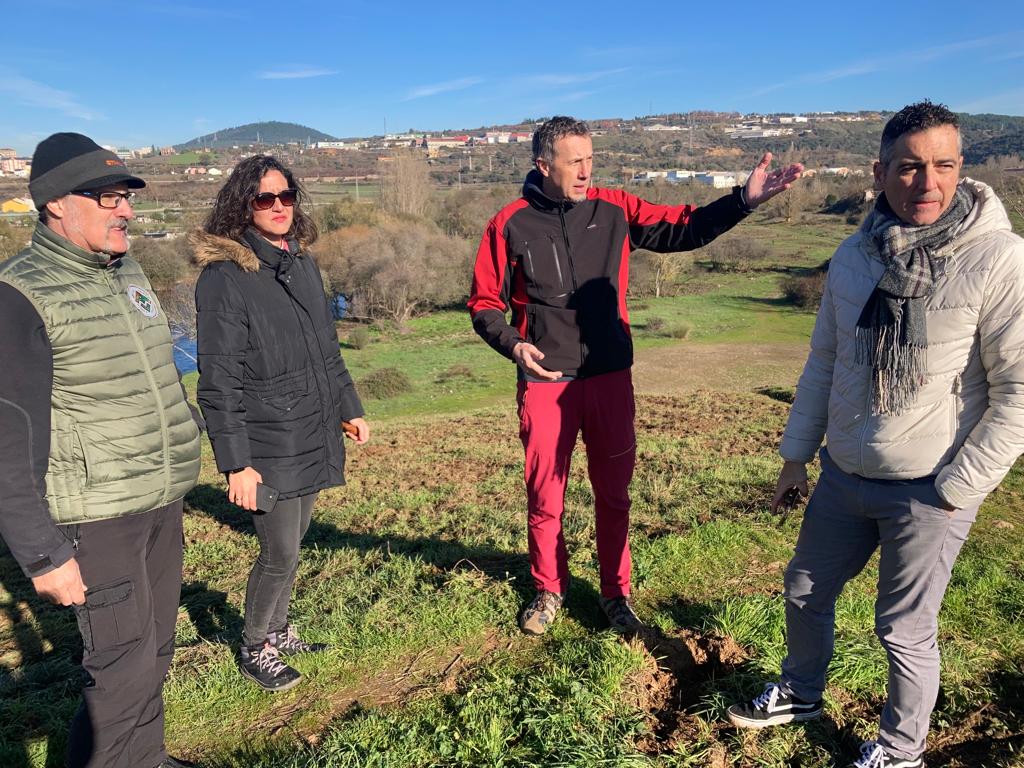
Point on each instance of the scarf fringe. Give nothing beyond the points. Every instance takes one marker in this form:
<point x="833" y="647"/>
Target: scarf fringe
<point x="897" y="370"/>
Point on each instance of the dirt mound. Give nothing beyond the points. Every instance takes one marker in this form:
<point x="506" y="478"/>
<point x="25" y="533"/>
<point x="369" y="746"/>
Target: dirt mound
<point x="676" y="666"/>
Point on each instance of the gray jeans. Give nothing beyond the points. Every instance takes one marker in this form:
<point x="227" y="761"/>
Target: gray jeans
<point x="269" y="590"/>
<point x="847" y="518"/>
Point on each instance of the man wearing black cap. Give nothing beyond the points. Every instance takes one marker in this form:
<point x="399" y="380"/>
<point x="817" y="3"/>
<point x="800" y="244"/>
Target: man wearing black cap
<point x="97" y="446"/>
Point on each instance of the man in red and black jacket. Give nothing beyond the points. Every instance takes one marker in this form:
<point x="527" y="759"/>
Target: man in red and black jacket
<point x="559" y="259"/>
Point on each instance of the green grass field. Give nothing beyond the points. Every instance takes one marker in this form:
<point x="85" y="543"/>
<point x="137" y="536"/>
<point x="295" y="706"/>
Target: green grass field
<point x="415" y="572"/>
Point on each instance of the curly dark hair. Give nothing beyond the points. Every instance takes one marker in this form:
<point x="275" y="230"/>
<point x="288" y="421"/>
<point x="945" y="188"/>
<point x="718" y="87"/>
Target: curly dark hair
<point x="552" y="130"/>
<point x="232" y="210"/>
<point x="913" y="118"/>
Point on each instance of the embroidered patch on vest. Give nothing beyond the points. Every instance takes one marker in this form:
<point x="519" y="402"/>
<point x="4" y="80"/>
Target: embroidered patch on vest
<point x="143" y="300"/>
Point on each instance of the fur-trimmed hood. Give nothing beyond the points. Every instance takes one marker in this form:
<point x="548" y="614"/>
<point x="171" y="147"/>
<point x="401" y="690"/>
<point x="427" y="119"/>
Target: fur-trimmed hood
<point x="207" y="249"/>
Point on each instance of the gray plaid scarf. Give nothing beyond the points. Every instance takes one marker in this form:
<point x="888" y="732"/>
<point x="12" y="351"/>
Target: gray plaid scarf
<point x="892" y="333"/>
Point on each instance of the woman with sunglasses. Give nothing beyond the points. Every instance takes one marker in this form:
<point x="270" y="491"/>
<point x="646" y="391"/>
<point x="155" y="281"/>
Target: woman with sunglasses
<point x="273" y="389"/>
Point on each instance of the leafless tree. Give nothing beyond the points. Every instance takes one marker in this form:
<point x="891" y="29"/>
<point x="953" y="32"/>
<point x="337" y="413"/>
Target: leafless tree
<point x="405" y="187"/>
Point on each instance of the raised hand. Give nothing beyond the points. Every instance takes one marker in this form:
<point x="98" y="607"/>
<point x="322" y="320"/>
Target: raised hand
<point x="763" y="184"/>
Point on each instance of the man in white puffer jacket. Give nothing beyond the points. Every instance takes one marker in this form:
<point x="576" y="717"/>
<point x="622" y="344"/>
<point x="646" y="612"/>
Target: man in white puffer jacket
<point x="915" y="381"/>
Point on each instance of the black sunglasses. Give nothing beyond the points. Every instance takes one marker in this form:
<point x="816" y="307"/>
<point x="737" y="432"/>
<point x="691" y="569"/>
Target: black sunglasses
<point x="265" y="200"/>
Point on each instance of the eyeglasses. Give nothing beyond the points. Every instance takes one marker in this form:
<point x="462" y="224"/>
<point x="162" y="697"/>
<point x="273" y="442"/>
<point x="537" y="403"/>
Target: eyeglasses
<point x="265" y="200"/>
<point x="108" y="199"/>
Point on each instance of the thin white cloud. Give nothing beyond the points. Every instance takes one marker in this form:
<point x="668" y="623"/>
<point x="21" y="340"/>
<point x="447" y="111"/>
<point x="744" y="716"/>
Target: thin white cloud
<point x="578" y="95"/>
<point x="562" y="80"/>
<point x="296" y="73"/>
<point x="884" y="62"/>
<point x="1008" y="56"/>
<point x="36" y="94"/>
<point x="1006" y="103"/>
<point x="423" y="91"/>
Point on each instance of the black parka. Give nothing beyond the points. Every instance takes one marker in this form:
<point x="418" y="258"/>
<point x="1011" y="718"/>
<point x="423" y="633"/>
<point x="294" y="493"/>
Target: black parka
<point x="272" y="384"/>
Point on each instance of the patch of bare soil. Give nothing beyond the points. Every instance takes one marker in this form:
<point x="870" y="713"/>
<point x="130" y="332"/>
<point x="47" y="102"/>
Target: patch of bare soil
<point x="676" y="666"/>
<point x="725" y="423"/>
<point x="740" y="367"/>
<point x="430" y="454"/>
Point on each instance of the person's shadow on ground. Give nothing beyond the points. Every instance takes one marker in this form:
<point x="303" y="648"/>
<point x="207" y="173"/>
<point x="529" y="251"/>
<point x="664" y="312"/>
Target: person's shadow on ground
<point x="40" y="676"/>
<point x="444" y="554"/>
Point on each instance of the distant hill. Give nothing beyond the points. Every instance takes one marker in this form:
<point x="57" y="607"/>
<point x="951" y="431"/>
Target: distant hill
<point x="990" y="136"/>
<point x="271" y="132"/>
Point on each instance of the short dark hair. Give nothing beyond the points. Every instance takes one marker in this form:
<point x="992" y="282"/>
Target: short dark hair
<point x="557" y="127"/>
<point x="232" y="210"/>
<point x="913" y="118"/>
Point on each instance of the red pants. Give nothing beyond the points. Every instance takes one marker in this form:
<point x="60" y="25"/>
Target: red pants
<point x="550" y="417"/>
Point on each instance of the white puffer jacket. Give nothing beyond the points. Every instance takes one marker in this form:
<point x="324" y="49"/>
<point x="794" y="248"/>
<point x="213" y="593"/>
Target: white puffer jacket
<point x="967" y="423"/>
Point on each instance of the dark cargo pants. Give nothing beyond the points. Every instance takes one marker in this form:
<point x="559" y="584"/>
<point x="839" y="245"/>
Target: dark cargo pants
<point x="847" y="518"/>
<point x="131" y="567"/>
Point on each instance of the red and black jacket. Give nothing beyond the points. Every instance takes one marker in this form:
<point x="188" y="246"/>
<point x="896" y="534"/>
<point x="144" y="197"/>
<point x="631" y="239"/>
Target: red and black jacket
<point x="563" y="269"/>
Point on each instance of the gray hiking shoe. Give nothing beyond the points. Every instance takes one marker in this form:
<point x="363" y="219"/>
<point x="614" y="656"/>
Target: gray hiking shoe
<point x="540" y="612"/>
<point x="288" y="642"/>
<point x="621" y="613"/>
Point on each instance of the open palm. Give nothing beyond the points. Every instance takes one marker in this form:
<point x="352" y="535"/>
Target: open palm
<point x="763" y="184"/>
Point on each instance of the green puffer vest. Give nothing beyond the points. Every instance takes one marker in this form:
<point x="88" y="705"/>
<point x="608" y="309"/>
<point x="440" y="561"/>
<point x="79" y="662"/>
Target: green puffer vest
<point x="122" y="439"/>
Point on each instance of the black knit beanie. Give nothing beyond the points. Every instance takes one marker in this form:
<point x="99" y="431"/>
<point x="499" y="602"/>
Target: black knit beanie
<point x="69" y="162"/>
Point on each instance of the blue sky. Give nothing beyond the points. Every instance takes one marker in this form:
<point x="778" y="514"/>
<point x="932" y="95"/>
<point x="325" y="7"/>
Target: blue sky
<point x="162" y="72"/>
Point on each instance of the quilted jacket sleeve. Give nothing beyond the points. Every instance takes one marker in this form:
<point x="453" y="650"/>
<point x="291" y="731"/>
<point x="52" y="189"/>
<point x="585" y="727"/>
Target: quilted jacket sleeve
<point x="222" y="329"/>
<point x="808" y="418"/>
<point x="997" y="440"/>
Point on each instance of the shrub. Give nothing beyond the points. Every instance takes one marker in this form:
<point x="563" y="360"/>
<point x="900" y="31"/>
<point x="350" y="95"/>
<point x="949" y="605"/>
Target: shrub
<point x="359" y="337"/>
<point x="655" y="324"/>
<point x="735" y="254"/>
<point x="680" y="331"/>
<point x="385" y="383"/>
<point x="804" y="291"/>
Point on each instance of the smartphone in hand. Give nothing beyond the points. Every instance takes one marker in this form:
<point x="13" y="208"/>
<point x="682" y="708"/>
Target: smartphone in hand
<point x="266" y="497"/>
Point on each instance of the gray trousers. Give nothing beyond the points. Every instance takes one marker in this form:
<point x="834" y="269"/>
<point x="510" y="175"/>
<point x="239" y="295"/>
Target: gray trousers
<point x="847" y="518"/>
<point x="269" y="590"/>
<point x="131" y="567"/>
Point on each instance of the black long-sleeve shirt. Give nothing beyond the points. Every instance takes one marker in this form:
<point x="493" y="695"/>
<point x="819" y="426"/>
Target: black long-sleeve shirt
<point x="26" y="384"/>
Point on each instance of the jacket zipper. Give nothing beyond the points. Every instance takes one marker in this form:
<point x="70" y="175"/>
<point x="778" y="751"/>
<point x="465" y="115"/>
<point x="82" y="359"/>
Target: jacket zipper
<point x="326" y="399"/>
<point x="154" y="388"/>
<point x="572" y="266"/>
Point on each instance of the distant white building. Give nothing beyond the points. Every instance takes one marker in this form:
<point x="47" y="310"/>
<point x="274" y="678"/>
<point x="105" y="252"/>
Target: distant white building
<point x="720" y="179"/>
<point x="663" y="127"/>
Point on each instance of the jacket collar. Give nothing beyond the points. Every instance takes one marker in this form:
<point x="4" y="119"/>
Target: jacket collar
<point x="269" y="254"/>
<point x="988" y="215"/>
<point x="48" y="241"/>
<point x="533" y="191"/>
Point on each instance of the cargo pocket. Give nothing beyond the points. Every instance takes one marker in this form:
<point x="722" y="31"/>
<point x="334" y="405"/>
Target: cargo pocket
<point x="110" y="617"/>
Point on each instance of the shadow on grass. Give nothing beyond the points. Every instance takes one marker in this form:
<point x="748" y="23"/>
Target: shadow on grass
<point x="38" y="695"/>
<point x="993" y="735"/>
<point x="443" y="554"/>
